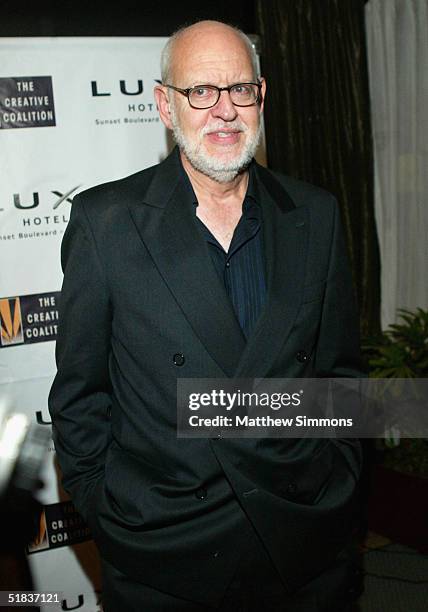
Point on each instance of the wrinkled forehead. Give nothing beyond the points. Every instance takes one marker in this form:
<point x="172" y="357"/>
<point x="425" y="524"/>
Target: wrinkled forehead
<point x="210" y="55"/>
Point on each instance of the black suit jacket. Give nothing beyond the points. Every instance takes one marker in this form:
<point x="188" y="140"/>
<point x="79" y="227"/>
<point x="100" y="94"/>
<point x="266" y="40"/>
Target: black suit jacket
<point x="139" y="288"/>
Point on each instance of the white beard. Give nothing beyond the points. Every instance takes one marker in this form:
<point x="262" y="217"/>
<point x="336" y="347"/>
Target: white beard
<point x="222" y="171"/>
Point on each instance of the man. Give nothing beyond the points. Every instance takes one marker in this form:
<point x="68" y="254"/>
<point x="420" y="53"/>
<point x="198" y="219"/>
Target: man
<point x="205" y="266"/>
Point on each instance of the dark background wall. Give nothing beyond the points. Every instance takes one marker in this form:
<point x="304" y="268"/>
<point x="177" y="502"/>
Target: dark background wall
<point x="123" y="18"/>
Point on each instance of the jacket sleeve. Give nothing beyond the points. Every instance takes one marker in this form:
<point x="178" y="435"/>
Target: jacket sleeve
<point x="79" y="401"/>
<point x="338" y="348"/>
<point x="338" y="353"/>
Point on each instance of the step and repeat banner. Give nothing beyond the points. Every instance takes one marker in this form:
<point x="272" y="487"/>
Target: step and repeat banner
<point x="74" y="112"/>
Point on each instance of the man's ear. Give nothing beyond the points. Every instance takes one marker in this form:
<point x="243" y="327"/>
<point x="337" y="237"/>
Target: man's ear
<point x="263" y="93"/>
<point x="162" y="103"/>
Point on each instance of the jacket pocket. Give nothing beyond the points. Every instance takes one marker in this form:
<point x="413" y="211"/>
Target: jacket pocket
<point x="306" y="481"/>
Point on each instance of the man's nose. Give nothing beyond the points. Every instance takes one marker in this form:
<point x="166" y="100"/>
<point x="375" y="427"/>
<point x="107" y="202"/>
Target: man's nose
<point x="225" y="109"/>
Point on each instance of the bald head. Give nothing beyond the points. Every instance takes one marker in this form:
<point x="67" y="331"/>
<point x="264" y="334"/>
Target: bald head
<point x="217" y="140"/>
<point x="216" y="35"/>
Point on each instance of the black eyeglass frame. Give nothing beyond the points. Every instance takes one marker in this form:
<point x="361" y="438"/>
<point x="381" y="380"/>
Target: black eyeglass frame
<point x="186" y="92"/>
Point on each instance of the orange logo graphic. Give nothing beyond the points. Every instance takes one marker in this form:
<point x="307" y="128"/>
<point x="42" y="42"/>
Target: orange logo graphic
<point x="11" y="321"/>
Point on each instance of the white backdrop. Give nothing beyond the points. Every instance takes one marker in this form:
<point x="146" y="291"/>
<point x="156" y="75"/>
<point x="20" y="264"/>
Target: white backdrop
<point x="74" y="112"/>
<point x="59" y="135"/>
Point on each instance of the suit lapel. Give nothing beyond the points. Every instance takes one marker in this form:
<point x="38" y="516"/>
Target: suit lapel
<point x="168" y="228"/>
<point x="285" y="229"/>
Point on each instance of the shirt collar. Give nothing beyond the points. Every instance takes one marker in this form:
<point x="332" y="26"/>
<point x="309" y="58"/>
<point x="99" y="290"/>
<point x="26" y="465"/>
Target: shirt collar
<point x="251" y="206"/>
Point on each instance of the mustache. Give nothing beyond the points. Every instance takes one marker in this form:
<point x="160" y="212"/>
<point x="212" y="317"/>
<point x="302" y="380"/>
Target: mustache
<point x="221" y="126"/>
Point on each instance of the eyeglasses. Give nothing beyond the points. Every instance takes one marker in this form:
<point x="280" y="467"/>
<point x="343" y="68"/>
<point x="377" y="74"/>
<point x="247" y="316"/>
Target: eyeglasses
<point x="206" y="96"/>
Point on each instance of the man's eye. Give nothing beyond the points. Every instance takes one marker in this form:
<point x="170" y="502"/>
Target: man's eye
<point x="242" y="90"/>
<point x="202" y="92"/>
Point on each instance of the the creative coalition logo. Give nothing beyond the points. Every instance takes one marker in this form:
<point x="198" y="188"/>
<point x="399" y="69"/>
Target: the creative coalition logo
<point x="26" y="102"/>
<point x="28" y="319"/>
<point x="60" y="525"/>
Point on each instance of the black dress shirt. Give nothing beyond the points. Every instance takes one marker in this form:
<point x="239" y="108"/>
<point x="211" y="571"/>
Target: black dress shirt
<point x="242" y="268"/>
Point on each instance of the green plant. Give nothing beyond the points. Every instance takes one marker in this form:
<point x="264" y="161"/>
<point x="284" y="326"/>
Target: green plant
<point x="401" y="351"/>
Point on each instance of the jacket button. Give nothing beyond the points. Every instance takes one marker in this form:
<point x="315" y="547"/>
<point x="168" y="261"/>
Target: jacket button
<point x="291" y="488"/>
<point x="302" y="356"/>
<point x="201" y="493"/>
<point x="178" y="359"/>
